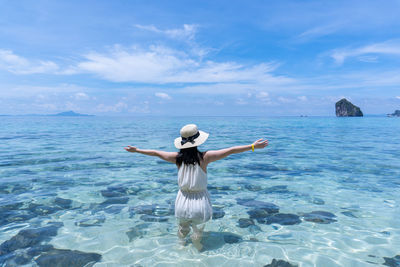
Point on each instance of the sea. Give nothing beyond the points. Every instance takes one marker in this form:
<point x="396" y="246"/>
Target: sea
<point x="324" y="192"/>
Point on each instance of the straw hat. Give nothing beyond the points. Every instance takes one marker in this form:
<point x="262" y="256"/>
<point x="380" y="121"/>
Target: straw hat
<point x="190" y="137"/>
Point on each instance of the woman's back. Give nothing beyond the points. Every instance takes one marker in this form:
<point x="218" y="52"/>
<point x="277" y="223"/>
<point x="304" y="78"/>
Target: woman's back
<point x="192" y="178"/>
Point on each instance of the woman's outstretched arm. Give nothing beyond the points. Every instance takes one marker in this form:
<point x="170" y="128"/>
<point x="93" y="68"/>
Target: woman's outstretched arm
<point x="214" y="155"/>
<point x="167" y="156"/>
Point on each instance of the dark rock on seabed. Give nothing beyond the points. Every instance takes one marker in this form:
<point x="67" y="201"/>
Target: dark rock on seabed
<point x="115" y="200"/>
<point x="281" y="218"/>
<point x="91" y="221"/>
<point x="22" y="257"/>
<point x="392" y="262"/>
<point x="319" y="216"/>
<point x="15" y="216"/>
<point x="345" y="108"/>
<point x="231" y="238"/>
<point x="154" y="209"/>
<point x="29" y="238"/>
<point x="244" y="222"/>
<point x="258" y="214"/>
<point x="269" y="208"/>
<point x="152" y="218"/>
<point x="278" y="189"/>
<point x="42" y="209"/>
<point x="63" y="203"/>
<point x="218" y="213"/>
<point x="137" y="231"/>
<point x="66" y="257"/>
<point x="280" y="263"/>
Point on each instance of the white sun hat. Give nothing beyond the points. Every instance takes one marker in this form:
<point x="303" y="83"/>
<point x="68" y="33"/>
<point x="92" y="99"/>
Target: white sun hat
<point x="190" y="137"/>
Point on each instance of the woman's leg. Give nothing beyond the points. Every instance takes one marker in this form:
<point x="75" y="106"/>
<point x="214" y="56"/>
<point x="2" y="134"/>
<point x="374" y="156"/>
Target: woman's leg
<point x="183" y="228"/>
<point x="197" y="235"/>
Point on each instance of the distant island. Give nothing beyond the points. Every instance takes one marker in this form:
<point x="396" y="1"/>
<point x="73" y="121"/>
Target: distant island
<point x="345" y="108"/>
<point x="396" y="113"/>
<point x="61" y="114"/>
<point x="69" y="113"/>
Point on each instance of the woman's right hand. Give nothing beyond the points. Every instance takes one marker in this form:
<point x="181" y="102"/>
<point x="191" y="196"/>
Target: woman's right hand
<point x="131" y="149"/>
<point x="260" y="143"/>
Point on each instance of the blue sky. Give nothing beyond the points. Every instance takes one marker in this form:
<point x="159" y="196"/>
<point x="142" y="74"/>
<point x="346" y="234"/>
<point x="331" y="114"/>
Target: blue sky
<point x="199" y="57"/>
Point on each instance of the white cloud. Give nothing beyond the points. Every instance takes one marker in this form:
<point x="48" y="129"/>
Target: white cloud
<point x="320" y="31"/>
<point x="391" y="47"/>
<point x="143" y="108"/>
<point x="163" y="65"/>
<point x="286" y="100"/>
<point x="369" y="59"/>
<point x="302" y="98"/>
<point x="27" y="91"/>
<point x="81" y="96"/>
<point x="118" y="107"/>
<point x="163" y="95"/>
<point x="263" y="95"/>
<point x="187" y="32"/>
<point x="240" y="101"/>
<point x="398" y="97"/>
<point x="20" y="65"/>
<point x="45" y="106"/>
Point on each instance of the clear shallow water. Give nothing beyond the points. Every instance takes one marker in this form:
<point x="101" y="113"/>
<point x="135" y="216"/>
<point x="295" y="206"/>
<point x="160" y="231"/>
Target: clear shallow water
<point x="75" y="172"/>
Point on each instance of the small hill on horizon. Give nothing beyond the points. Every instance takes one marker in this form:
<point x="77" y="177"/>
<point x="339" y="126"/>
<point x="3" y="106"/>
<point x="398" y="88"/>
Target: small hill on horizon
<point x="69" y="113"/>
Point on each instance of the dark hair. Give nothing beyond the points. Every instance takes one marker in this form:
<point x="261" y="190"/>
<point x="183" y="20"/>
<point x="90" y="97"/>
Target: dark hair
<point x="189" y="155"/>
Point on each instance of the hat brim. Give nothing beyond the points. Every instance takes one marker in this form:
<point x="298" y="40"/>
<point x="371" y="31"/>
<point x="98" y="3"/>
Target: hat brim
<point x="198" y="141"/>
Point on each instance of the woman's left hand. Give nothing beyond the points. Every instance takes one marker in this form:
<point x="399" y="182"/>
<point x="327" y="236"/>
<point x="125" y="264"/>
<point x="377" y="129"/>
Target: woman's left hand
<point x="131" y="149"/>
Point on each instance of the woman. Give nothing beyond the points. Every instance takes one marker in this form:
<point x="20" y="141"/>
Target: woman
<point x="192" y="205"/>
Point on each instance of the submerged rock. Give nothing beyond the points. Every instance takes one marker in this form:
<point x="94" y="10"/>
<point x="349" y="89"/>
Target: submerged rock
<point x="349" y="214"/>
<point x="252" y="187"/>
<point x="231" y="238"/>
<point x="91" y="221"/>
<point x="278" y="189"/>
<point x="345" y="108"/>
<point x="220" y="188"/>
<point x="41" y="209"/>
<point x="218" y="213"/>
<point x="119" y="191"/>
<point x="115" y="200"/>
<point x="258" y="214"/>
<point x="23" y="257"/>
<point x="244" y="222"/>
<point x="29" y="238"/>
<point x="66" y="257"/>
<point x="63" y="203"/>
<point x="114" y="209"/>
<point x="319" y="216"/>
<point x="269" y="208"/>
<point x="15" y="216"/>
<point x="317" y="201"/>
<point x="153" y="218"/>
<point x="12" y="206"/>
<point x="155" y="210"/>
<point x="138" y="231"/>
<point x="280" y="263"/>
<point x="281" y="218"/>
<point x="392" y="262"/>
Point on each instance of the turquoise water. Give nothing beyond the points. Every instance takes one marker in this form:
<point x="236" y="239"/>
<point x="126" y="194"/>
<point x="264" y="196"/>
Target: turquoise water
<point x="335" y="181"/>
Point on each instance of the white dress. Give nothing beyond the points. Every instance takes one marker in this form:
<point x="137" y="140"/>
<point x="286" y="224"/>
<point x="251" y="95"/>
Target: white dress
<point x="193" y="200"/>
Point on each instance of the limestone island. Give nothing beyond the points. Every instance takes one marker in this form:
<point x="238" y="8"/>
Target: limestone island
<point x="396" y="113"/>
<point x="345" y="108"/>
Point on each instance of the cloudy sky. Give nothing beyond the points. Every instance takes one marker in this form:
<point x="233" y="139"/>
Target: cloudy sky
<point x="199" y="57"/>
